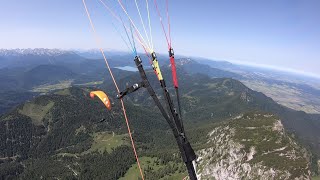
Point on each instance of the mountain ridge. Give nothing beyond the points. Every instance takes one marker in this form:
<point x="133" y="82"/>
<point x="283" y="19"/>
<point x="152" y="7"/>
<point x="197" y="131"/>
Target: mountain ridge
<point x="238" y="151"/>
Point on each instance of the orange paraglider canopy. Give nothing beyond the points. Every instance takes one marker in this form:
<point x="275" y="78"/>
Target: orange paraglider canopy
<point x="103" y="97"/>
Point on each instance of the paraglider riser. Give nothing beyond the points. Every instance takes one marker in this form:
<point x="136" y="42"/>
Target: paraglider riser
<point x="173" y="119"/>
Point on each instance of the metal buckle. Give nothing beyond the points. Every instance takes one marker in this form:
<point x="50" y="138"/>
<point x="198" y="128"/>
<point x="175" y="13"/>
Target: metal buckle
<point x="154" y="56"/>
<point x="171" y="52"/>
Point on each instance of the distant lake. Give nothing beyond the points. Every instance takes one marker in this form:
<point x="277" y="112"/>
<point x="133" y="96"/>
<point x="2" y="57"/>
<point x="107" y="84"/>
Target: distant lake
<point x="128" y="68"/>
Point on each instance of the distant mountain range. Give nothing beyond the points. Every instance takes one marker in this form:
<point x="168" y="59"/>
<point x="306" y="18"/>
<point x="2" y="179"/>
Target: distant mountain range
<point x="28" y="58"/>
<point x="35" y="52"/>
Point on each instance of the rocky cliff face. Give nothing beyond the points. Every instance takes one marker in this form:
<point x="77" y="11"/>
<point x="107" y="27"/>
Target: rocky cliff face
<point x="252" y="146"/>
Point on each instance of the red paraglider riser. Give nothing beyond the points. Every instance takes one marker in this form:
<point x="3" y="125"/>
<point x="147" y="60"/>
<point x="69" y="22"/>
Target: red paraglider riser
<point x="174" y="72"/>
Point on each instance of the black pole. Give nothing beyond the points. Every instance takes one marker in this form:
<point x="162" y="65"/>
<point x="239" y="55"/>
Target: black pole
<point x="191" y="172"/>
<point x="179" y="106"/>
<point x="152" y="93"/>
<point x="173" y="119"/>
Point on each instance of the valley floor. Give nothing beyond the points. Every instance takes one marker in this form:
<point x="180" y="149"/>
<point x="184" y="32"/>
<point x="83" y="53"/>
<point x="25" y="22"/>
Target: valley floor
<point x="287" y="95"/>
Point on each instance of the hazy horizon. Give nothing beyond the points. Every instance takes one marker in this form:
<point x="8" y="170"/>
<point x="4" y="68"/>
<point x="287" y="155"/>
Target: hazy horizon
<point x="282" y="35"/>
<point x="264" y="66"/>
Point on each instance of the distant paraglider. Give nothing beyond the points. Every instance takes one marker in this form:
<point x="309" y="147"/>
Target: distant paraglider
<point x="103" y="97"/>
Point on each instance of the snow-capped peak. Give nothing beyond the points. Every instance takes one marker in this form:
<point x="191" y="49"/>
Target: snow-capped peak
<point x="37" y="52"/>
<point x="183" y="61"/>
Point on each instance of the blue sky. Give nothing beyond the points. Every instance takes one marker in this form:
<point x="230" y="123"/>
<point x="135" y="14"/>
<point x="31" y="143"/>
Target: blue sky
<point x="283" y="34"/>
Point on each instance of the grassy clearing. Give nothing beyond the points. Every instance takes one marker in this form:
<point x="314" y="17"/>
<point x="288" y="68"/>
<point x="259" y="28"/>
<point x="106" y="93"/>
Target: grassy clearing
<point x="45" y="88"/>
<point x="176" y="176"/>
<point x="90" y="83"/>
<point x="102" y="141"/>
<point x="316" y="178"/>
<point x="67" y="155"/>
<point x="133" y="172"/>
<point x="80" y="129"/>
<point x="64" y="92"/>
<point x="153" y="163"/>
<point x="36" y="112"/>
<point x="106" y="141"/>
<point x="211" y="85"/>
